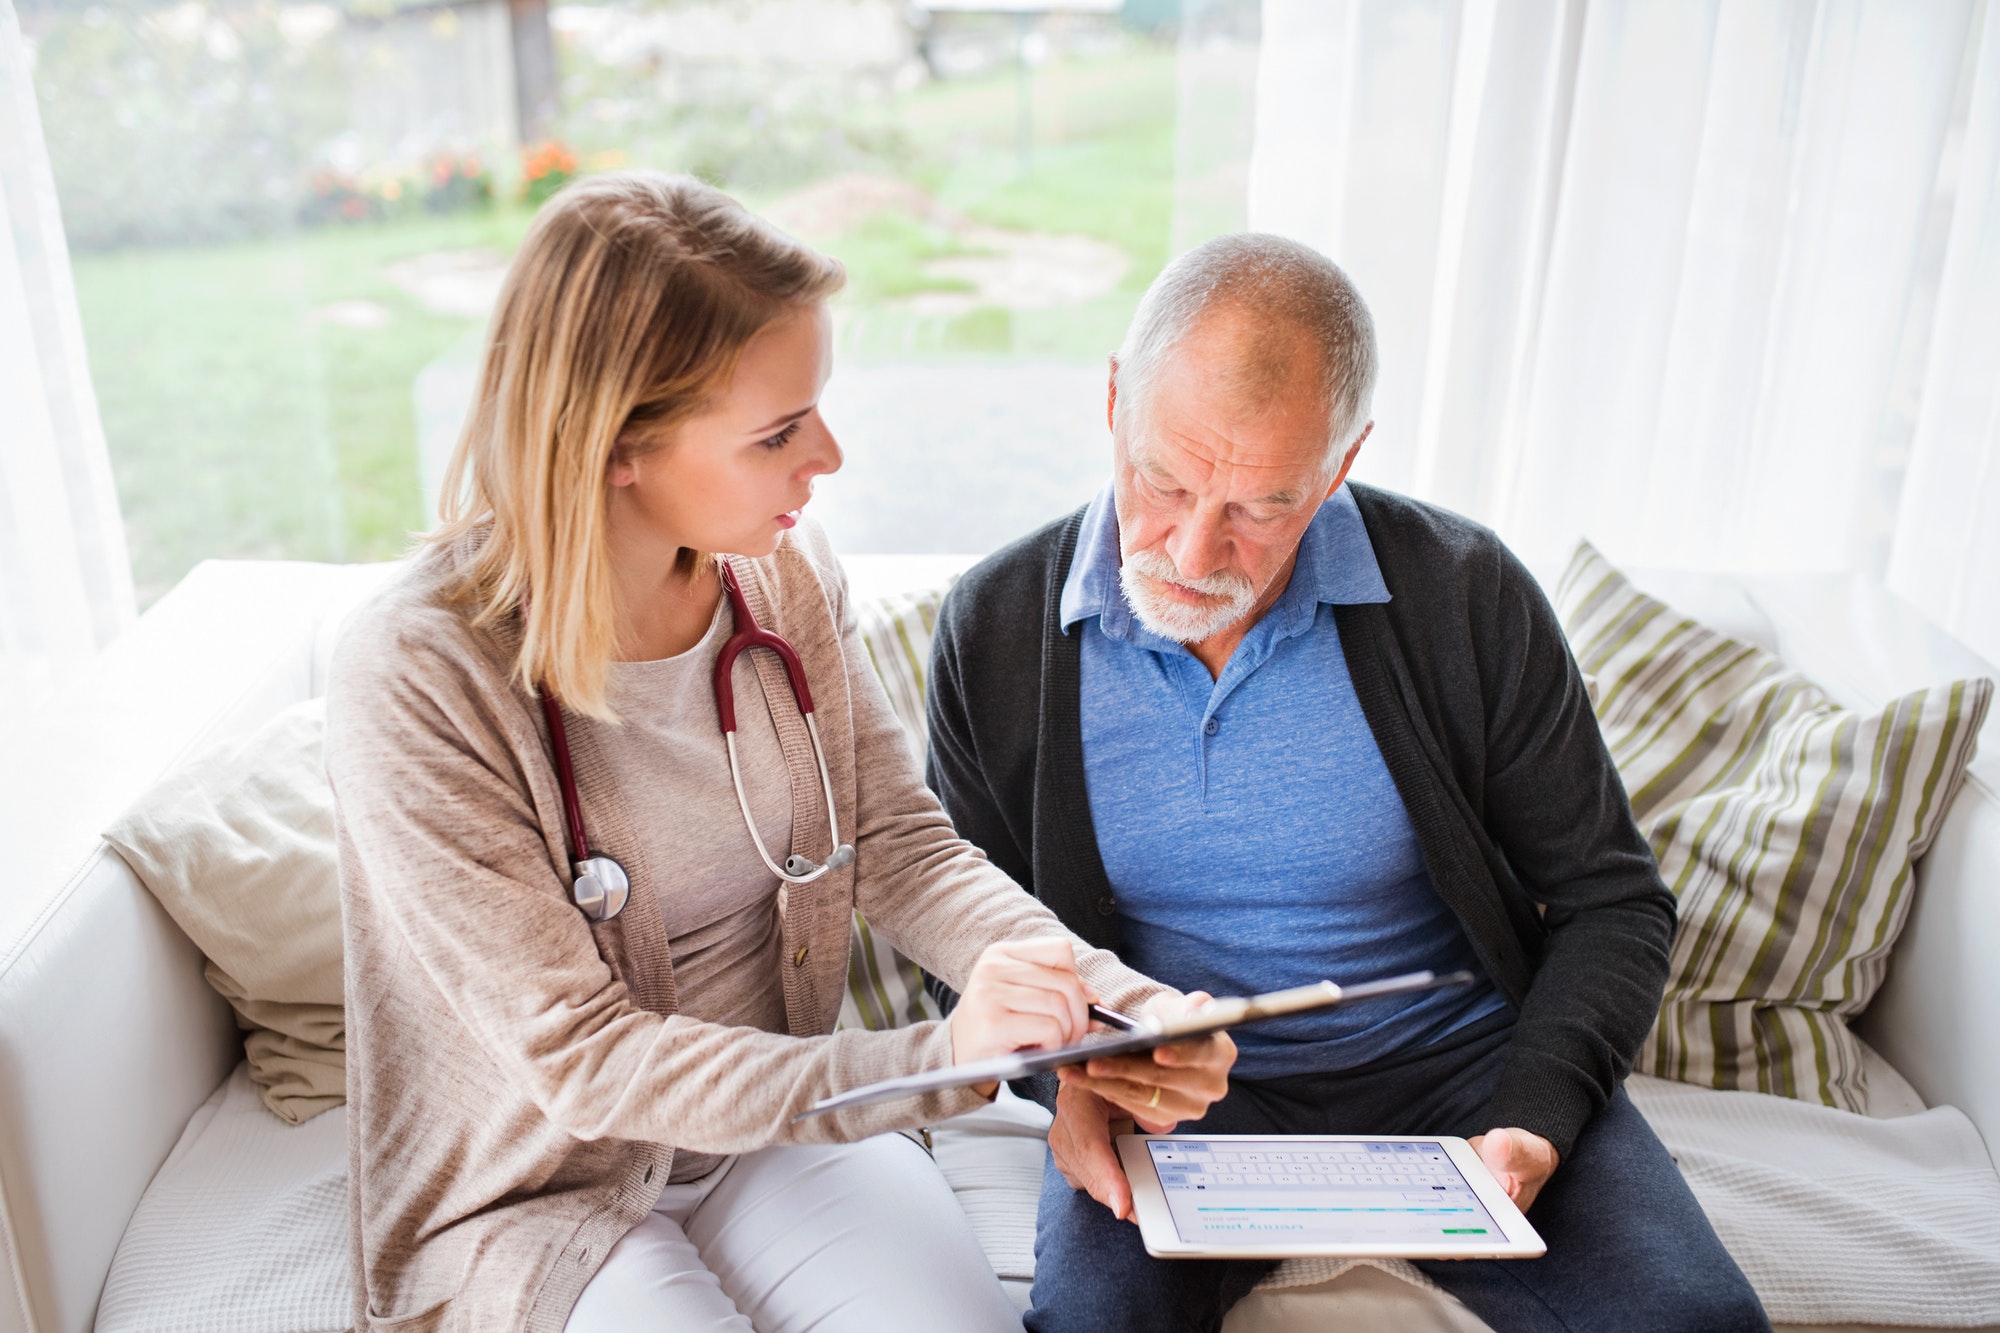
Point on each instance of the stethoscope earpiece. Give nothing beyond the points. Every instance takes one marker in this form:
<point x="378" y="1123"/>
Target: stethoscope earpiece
<point x="801" y="870"/>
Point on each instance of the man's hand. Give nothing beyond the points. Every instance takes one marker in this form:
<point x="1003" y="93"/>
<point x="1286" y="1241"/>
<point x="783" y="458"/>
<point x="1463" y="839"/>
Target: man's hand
<point x="1080" y="1143"/>
<point x="1520" y="1161"/>
<point x="1168" y="1084"/>
<point x="1021" y="993"/>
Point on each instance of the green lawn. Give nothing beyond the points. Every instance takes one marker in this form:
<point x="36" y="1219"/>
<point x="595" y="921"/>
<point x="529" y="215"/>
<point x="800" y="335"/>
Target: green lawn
<point x="244" y="422"/>
<point x="240" y="423"/>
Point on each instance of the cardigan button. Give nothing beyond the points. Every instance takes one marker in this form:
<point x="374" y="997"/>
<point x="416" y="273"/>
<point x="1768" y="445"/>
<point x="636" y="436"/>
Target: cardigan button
<point x="1106" y="905"/>
<point x="799" y="958"/>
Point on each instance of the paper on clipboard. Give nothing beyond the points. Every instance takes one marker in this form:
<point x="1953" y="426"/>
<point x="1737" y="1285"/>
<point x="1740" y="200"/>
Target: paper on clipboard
<point x="1216" y="1016"/>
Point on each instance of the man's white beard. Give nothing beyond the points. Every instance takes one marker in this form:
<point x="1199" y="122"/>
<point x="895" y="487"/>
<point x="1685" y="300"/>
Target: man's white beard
<point x="1229" y="598"/>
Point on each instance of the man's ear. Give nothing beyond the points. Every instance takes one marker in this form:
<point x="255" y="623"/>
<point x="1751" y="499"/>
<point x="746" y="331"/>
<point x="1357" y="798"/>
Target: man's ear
<point x="1111" y="396"/>
<point x="1353" y="452"/>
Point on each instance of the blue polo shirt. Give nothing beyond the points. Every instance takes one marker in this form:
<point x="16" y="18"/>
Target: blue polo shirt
<point x="1252" y="835"/>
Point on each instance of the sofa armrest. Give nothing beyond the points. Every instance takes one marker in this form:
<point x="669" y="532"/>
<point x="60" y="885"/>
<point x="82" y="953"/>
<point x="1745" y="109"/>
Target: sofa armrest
<point x="109" y="1036"/>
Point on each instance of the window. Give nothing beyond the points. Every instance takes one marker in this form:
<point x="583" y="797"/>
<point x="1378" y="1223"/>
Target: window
<point x="288" y="221"/>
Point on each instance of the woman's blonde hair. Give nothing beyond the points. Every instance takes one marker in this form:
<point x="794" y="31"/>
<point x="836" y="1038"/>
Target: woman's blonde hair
<point x="624" y="312"/>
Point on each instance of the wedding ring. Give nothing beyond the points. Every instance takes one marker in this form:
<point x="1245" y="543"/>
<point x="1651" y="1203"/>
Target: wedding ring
<point x="1156" y="1097"/>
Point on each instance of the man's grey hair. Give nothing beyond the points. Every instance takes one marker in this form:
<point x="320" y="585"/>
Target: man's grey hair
<point x="1295" y="293"/>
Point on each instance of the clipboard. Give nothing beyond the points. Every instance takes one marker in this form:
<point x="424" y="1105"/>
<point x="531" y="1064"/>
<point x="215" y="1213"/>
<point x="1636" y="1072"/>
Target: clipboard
<point x="1216" y="1016"/>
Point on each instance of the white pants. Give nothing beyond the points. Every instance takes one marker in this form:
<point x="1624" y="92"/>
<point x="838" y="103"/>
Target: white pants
<point x="828" y="1238"/>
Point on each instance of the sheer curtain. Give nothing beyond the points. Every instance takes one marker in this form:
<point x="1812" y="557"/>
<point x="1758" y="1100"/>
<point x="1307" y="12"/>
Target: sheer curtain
<point x="65" y="580"/>
<point x="1704" y="281"/>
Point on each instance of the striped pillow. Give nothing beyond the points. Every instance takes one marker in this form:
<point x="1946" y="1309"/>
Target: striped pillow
<point x="885" y="989"/>
<point x="1785" y="825"/>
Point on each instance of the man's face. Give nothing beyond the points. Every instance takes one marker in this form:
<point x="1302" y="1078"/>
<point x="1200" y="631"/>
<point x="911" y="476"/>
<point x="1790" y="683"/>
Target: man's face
<point x="1215" y="493"/>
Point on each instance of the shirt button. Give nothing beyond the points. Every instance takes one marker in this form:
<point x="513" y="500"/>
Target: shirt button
<point x="1212" y="726"/>
<point x="799" y="958"/>
<point x="1106" y="905"/>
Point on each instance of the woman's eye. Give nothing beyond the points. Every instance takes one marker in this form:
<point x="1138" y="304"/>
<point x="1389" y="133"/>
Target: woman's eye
<point x="782" y="438"/>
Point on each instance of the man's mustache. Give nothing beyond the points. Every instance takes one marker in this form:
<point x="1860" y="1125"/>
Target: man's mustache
<point x="1159" y="568"/>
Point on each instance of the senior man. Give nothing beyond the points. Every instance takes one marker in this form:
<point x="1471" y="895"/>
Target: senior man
<point x="1251" y="727"/>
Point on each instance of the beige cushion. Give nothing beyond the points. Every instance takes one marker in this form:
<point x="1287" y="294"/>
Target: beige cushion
<point x="1788" y="828"/>
<point x="238" y="847"/>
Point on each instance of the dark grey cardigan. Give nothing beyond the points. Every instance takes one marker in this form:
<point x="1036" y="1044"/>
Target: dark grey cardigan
<point x="1483" y="720"/>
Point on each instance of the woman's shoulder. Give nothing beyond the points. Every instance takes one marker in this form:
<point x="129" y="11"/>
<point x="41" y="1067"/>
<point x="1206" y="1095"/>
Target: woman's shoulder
<point x="419" y="632"/>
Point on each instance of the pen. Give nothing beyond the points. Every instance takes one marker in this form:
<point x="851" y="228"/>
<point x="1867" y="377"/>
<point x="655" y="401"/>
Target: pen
<point x="1112" y="1018"/>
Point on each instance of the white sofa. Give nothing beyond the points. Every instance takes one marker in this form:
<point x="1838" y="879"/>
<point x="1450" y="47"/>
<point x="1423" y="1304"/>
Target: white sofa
<point x="110" y="1039"/>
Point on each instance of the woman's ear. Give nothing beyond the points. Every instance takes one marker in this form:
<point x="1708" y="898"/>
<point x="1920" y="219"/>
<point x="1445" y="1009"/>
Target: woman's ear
<point x="622" y="469"/>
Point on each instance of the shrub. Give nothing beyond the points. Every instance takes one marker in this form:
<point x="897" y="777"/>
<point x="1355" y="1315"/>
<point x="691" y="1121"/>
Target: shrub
<point x="545" y="168"/>
<point x="455" y="182"/>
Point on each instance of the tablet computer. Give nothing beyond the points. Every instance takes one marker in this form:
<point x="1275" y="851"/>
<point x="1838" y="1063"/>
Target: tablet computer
<point x="1135" y="1035"/>
<point x="1284" y="1196"/>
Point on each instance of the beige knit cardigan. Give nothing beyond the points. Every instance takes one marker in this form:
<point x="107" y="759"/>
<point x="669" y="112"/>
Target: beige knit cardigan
<point x="517" y="1079"/>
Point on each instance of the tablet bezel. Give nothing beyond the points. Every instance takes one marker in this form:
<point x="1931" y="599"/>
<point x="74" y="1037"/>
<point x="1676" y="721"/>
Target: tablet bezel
<point x="1156" y="1223"/>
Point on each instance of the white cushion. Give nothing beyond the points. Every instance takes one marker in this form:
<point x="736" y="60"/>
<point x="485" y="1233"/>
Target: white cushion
<point x="1836" y="1216"/>
<point x="244" y="1229"/>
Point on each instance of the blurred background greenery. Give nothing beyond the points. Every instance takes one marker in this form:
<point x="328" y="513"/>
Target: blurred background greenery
<point x="287" y="220"/>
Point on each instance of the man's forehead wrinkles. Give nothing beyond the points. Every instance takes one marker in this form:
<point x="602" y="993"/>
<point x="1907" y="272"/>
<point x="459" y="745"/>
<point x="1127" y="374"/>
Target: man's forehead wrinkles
<point x="1257" y="479"/>
<point x="1231" y="458"/>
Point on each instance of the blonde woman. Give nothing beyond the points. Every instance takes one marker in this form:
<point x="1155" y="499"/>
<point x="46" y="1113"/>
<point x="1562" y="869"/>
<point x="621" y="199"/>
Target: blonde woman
<point x="571" y="1083"/>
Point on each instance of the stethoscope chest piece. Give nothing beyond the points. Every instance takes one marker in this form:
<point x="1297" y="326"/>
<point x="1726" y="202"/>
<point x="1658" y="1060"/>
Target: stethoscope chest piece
<point x="601" y="888"/>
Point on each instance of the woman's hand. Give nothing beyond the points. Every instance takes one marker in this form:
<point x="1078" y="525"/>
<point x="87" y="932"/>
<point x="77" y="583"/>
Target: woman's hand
<point x="1022" y="993"/>
<point x="1168" y="1084"/>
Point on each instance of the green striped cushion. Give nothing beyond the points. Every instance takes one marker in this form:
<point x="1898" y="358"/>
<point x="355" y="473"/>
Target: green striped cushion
<point x="1785" y="825"/>
<point x="885" y="989"/>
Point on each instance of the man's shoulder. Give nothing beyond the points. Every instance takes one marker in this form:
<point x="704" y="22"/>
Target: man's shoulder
<point x="1403" y="522"/>
<point x="1425" y="545"/>
<point x="1014" y="582"/>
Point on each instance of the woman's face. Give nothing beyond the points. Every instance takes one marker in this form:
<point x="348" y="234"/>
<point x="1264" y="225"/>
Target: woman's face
<point x="734" y="477"/>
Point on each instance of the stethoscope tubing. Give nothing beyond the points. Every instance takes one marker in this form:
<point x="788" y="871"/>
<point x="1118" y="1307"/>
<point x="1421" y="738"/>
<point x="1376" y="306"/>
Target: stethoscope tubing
<point x="566" y="778"/>
<point x="600" y="885"/>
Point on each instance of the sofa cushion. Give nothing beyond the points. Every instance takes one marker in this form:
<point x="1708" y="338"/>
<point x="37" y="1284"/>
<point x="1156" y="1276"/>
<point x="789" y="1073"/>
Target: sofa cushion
<point x="238" y="847"/>
<point x="885" y="989"/>
<point x="244" y="1229"/>
<point x="1834" y="1216"/>
<point x="1787" y="827"/>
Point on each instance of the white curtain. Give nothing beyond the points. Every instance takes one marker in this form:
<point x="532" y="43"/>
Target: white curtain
<point x="1700" y="279"/>
<point x="1947" y="553"/>
<point x="65" y="579"/>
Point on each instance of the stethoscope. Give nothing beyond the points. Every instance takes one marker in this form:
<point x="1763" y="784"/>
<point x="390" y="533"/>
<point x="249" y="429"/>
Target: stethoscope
<point x="601" y="887"/>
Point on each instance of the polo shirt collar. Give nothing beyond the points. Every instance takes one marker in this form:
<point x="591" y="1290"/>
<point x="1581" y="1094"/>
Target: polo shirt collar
<point x="1336" y="567"/>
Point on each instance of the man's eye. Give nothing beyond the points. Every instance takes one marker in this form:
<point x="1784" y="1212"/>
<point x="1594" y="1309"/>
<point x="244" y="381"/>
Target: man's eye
<point x="782" y="438"/>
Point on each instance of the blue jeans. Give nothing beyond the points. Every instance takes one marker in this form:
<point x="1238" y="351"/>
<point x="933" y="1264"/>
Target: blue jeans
<point x="1629" y="1248"/>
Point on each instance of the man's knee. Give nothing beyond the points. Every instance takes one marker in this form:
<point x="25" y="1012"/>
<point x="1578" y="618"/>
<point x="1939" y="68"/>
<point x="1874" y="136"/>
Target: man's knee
<point x="1736" y="1310"/>
<point x="1628" y="1239"/>
<point x="1088" y="1274"/>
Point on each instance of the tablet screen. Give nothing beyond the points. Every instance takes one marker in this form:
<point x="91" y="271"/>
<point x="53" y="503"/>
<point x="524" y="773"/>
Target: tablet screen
<point x="1274" y="1191"/>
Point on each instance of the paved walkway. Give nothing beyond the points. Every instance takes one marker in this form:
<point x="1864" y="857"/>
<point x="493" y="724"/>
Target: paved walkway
<point x="958" y="456"/>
